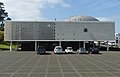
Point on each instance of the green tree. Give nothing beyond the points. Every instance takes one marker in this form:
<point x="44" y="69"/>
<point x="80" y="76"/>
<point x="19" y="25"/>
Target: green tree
<point x="3" y="16"/>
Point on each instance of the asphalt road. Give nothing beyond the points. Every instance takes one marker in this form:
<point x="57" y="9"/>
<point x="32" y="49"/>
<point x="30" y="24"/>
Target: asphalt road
<point x="29" y="64"/>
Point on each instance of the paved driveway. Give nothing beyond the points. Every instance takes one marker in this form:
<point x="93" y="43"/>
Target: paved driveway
<point x="29" y="64"/>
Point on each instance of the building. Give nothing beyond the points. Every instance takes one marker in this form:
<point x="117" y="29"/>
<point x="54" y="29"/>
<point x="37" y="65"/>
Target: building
<point x="76" y="31"/>
<point x="117" y="39"/>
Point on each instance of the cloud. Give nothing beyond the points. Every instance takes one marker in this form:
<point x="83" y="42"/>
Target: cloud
<point x="30" y="9"/>
<point x="99" y="5"/>
<point x="107" y="4"/>
<point x="58" y="2"/>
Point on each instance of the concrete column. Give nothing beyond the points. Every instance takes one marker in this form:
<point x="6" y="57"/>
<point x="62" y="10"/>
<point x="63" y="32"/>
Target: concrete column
<point x="93" y="44"/>
<point x="83" y="44"/>
<point x="17" y="47"/>
<point x="59" y="43"/>
<point x="79" y="44"/>
<point x="107" y="46"/>
<point x="10" y="45"/>
<point x="35" y="45"/>
<point x="99" y="43"/>
<point x="38" y="43"/>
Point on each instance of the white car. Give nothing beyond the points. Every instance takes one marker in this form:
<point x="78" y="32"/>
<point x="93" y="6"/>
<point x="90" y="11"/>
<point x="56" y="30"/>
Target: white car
<point x="82" y="50"/>
<point x="69" y="50"/>
<point x="58" y="49"/>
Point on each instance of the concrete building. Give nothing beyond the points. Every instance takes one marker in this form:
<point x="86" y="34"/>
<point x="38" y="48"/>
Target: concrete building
<point x="76" y="31"/>
<point x="117" y="39"/>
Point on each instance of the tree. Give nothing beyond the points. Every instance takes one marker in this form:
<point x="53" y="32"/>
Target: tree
<point x="3" y="15"/>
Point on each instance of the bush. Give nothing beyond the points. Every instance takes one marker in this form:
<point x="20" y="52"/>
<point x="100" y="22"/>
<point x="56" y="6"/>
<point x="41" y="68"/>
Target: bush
<point x="1" y="29"/>
<point x="1" y="36"/>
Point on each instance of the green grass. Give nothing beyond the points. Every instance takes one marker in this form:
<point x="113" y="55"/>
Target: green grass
<point x="6" y="46"/>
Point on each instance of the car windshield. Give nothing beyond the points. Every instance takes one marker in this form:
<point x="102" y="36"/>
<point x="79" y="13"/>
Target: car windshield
<point x="58" y="48"/>
<point x="42" y="48"/>
<point x="70" y="48"/>
<point x="82" y="49"/>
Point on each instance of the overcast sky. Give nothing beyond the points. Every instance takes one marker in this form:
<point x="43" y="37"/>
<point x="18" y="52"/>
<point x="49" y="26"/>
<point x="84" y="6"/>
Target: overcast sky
<point x="108" y="10"/>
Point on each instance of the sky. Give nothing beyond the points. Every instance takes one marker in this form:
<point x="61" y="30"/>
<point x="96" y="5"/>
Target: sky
<point x="104" y="10"/>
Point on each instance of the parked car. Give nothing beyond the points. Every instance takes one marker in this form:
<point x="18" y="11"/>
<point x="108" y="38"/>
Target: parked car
<point x="41" y="49"/>
<point x="94" y="50"/>
<point x="69" y="50"/>
<point x="58" y="49"/>
<point x="82" y="50"/>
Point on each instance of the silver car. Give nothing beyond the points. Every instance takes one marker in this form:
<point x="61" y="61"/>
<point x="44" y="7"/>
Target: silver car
<point x="58" y="49"/>
<point x="69" y="50"/>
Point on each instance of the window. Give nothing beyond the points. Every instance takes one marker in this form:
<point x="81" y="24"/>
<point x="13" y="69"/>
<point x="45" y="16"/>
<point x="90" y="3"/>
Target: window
<point x="85" y="30"/>
<point x="116" y="37"/>
<point x="116" y="41"/>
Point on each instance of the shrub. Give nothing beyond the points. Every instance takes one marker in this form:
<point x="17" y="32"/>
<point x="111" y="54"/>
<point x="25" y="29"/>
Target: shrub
<point x="1" y="36"/>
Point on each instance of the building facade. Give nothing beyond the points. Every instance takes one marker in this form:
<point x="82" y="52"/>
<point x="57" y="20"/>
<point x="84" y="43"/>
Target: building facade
<point x="64" y="33"/>
<point x="117" y="39"/>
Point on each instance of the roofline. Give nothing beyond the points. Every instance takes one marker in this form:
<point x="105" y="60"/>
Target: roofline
<point x="59" y="40"/>
<point x="58" y="21"/>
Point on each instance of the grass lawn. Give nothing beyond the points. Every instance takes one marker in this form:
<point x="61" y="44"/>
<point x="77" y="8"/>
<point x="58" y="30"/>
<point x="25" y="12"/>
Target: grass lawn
<point x="5" y="47"/>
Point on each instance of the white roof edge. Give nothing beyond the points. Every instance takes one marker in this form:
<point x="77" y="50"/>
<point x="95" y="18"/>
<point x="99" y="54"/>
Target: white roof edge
<point x="60" y="21"/>
<point x="58" y="40"/>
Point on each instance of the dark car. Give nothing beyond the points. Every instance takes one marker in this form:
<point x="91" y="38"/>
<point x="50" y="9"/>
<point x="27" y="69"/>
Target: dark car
<point x="41" y="49"/>
<point x="94" y="50"/>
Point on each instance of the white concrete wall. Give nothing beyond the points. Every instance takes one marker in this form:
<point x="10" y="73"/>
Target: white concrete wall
<point x="97" y="31"/>
<point x="8" y="31"/>
<point x="29" y="31"/>
<point x="59" y="30"/>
